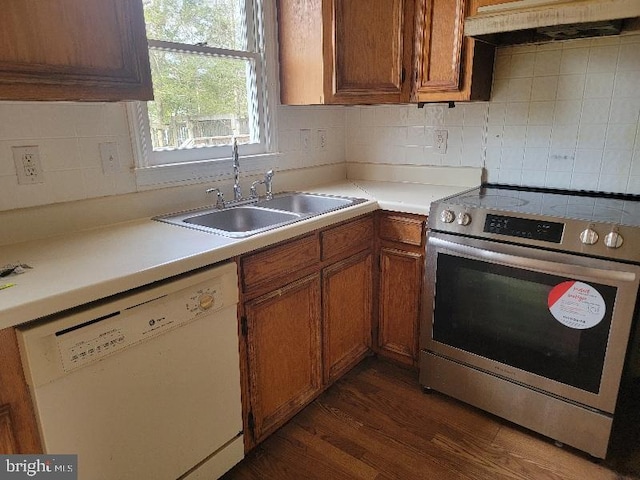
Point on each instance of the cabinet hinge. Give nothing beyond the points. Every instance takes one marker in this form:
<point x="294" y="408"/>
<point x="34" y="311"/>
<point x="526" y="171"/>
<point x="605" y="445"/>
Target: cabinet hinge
<point x="251" y="423"/>
<point x="243" y="326"/>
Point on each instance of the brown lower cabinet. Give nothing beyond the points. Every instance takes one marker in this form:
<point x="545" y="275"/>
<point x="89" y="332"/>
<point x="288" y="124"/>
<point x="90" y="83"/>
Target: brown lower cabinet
<point x="18" y="428"/>
<point x="283" y="352"/>
<point x="346" y="314"/>
<point x="305" y="320"/>
<point x="309" y="309"/>
<point x="401" y="253"/>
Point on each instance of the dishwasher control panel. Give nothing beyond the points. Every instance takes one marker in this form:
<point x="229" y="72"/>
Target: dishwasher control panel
<point x="58" y="345"/>
<point x="103" y="336"/>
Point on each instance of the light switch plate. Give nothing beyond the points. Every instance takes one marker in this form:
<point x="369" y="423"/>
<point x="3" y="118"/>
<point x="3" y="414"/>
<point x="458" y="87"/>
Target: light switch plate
<point x="305" y="139"/>
<point x="109" y="157"/>
<point x="440" y="140"/>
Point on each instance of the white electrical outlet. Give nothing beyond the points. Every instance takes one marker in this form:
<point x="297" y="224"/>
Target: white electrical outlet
<point x="440" y="140"/>
<point x="322" y="140"/>
<point x="305" y="140"/>
<point x="28" y="167"/>
<point x="109" y="157"/>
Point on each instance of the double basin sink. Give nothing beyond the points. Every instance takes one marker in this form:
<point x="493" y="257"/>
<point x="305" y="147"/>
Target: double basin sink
<point x="261" y="215"/>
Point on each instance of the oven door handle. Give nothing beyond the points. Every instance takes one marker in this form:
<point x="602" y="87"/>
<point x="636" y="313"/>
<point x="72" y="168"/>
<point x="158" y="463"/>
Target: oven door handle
<point x="533" y="259"/>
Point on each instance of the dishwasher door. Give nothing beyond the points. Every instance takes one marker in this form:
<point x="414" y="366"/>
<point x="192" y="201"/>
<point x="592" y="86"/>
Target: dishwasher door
<point x="146" y="386"/>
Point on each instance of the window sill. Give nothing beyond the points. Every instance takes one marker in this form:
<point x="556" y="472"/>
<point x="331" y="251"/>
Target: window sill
<point x="191" y="173"/>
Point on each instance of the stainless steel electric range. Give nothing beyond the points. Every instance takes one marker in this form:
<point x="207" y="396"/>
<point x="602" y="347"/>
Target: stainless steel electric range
<point x="529" y="305"/>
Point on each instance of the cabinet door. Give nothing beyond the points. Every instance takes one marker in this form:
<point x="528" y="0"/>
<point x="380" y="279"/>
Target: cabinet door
<point x="400" y="288"/>
<point x="369" y="47"/>
<point x="7" y="436"/>
<point x="73" y="50"/>
<point x="345" y="51"/>
<point x="283" y="343"/>
<point x="440" y="39"/>
<point x="447" y="66"/>
<point x="346" y="305"/>
<point x="18" y="428"/>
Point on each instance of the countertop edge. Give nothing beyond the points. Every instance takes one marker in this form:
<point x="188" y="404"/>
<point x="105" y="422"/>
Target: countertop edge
<point x="60" y="300"/>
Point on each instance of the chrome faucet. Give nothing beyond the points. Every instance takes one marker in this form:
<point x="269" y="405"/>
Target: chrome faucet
<point x="268" y="183"/>
<point x="237" y="193"/>
<point x="219" y="197"/>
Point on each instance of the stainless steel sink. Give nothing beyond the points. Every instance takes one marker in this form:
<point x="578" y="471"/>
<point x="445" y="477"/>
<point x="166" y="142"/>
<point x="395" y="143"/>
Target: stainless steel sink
<point x="241" y="220"/>
<point x="252" y="218"/>
<point x="305" y="203"/>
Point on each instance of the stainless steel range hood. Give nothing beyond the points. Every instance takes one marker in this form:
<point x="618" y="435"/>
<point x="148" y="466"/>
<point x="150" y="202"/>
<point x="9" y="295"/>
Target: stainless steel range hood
<point x="525" y="21"/>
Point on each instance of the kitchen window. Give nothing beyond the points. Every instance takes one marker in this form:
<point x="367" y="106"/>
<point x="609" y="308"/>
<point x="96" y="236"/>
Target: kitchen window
<point x="209" y="64"/>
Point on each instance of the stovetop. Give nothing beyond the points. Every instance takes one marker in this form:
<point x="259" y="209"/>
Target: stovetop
<point x="588" y="223"/>
<point x="556" y="204"/>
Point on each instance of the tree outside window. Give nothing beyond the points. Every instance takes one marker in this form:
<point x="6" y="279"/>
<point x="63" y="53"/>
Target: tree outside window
<point x="206" y="67"/>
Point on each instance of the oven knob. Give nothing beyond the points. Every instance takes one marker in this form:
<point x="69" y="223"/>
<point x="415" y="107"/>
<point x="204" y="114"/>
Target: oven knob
<point x="464" y="219"/>
<point x="447" y="216"/>
<point x="613" y="240"/>
<point x="589" y="236"/>
<point x="206" y="301"/>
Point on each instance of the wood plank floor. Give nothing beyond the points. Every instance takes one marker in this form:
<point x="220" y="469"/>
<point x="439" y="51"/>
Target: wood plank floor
<point x="375" y="423"/>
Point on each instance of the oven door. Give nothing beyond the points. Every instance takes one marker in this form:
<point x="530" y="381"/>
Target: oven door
<point x="556" y="322"/>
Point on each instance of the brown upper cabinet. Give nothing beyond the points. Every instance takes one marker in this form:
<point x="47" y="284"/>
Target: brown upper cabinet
<point x="447" y="65"/>
<point x="345" y="51"/>
<point x="379" y="51"/>
<point x="92" y="50"/>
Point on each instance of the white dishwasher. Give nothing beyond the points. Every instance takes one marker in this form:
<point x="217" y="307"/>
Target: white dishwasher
<point x="145" y="385"/>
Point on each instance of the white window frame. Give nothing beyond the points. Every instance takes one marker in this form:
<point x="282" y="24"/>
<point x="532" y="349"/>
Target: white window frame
<point x="168" y="167"/>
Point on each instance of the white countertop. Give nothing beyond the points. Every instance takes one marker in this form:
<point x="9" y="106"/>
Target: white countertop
<point x="77" y="268"/>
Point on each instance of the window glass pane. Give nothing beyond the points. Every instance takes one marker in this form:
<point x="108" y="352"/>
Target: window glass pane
<point x="216" y="23"/>
<point x="200" y="100"/>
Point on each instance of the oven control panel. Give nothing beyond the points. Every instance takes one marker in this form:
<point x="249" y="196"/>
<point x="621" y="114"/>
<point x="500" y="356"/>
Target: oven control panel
<point x="598" y="239"/>
<point x="524" y="228"/>
<point x="588" y="223"/>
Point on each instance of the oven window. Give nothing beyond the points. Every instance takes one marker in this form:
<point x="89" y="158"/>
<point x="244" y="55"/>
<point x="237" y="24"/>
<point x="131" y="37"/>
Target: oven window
<point x="502" y="313"/>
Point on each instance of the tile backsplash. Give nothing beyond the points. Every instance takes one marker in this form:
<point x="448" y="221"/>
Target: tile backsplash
<point x="562" y="114"/>
<point x="69" y="136"/>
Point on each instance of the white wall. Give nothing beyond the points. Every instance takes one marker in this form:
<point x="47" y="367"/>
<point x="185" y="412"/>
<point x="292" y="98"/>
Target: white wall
<point x="68" y="135"/>
<point x="561" y="115"/>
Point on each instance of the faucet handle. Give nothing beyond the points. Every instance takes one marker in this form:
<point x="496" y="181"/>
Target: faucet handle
<point x="219" y="197"/>
<point x="253" y="191"/>
<point x="268" y="183"/>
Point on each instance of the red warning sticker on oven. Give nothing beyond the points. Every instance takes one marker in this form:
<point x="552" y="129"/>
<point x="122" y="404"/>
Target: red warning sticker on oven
<point x="576" y="305"/>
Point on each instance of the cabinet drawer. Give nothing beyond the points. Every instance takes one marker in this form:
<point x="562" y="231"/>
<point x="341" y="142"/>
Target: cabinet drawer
<point x="280" y="261"/>
<point x="348" y="238"/>
<point x="402" y="228"/>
